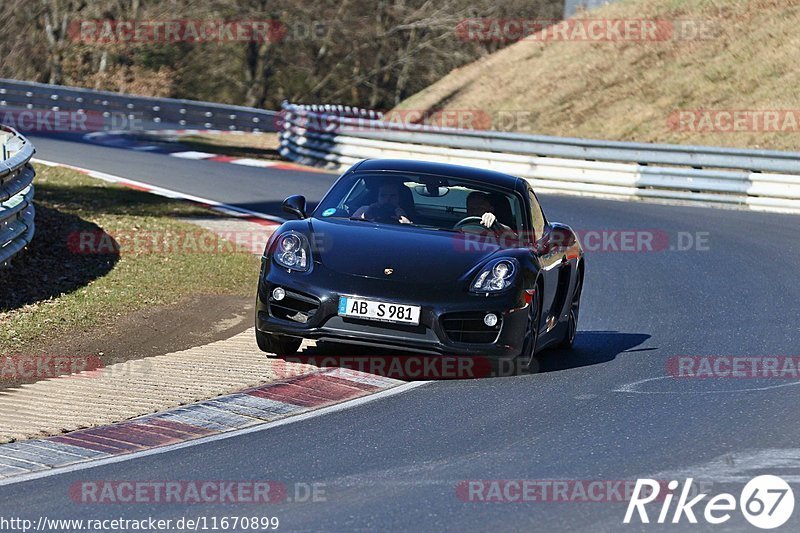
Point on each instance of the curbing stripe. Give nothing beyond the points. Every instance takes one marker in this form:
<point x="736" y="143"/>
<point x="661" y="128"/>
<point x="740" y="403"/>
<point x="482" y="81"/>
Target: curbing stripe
<point x="7" y="471"/>
<point x="21" y="477"/>
<point x="105" y="450"/>
<point x="93" y="443"/>
<point x="250" y="409"/>
<point x="254" y="406"/>
<point x="289" y="393"/>
<point x="191" y="431"/>
<point x="66" y="449"/>
<point x="227" y="209"/>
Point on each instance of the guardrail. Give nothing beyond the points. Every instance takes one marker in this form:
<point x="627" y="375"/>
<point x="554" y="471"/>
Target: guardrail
<point x="135" y="112"/>
<point x="16" y="194"/>
<point x="337" y="137"/>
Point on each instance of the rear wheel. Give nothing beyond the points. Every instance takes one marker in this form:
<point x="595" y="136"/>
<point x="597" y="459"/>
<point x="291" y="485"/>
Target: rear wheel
<point x="574" y="311"/>
<point x="277" y="346"/>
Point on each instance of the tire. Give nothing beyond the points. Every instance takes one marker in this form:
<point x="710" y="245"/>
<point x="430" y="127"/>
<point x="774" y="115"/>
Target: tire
<point x="277" y="346"/>
<point x="574" y="312"/>
<point x="527" y="357"/>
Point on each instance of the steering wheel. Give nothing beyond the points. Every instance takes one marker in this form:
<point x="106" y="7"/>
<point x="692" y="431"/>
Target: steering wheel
<point x="470" y="221"/>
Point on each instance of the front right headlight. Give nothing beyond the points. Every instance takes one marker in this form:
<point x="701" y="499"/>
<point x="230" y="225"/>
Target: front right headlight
<point x="497" y="276"/>
<point x="293" y="252"/>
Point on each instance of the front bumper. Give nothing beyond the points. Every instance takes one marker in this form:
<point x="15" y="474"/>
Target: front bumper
<point x="322" y="287"/>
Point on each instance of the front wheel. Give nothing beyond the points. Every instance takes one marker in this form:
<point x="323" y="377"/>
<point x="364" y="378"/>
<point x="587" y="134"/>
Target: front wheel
<point x="574" y="310"/>
<point x="527" y="357"/>
<point x="277" y="346"/>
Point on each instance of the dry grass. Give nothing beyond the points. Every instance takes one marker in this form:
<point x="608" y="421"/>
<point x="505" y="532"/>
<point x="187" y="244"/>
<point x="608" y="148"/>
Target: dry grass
<point x="627" y="90"/>
<point x="51" y="291"/>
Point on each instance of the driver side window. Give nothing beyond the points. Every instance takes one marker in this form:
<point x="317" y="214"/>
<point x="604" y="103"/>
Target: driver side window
<point x="537" y="217"/>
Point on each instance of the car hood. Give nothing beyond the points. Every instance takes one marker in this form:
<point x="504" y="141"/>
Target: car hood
<point x="414" y="255"/>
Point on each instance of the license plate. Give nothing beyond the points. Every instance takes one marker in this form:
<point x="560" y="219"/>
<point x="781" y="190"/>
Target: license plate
<point x="383" y="311"/>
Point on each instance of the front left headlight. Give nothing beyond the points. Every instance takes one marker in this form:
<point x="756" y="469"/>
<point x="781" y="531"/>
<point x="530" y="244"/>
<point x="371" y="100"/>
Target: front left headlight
<point x="496" y="276"/>
<point x="293" y="252"/>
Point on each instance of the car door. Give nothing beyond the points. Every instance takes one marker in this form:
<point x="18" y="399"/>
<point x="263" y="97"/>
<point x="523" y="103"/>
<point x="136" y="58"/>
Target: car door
<point x="550" y="258"/>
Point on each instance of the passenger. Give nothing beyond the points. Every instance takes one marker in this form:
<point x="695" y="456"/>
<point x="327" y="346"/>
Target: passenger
<point x="388" y="198"/>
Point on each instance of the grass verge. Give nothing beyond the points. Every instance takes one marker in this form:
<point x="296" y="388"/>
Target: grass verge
<point x="743" y="58"/>
<point x="51" y="291"/>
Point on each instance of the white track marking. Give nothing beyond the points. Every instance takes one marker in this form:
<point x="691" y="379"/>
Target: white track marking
<point x="632" y="388"/>
<point x="192" y="155"/>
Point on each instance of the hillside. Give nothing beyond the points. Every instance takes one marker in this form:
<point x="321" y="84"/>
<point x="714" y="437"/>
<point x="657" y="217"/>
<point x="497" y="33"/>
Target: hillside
<point x="744" y="61"/>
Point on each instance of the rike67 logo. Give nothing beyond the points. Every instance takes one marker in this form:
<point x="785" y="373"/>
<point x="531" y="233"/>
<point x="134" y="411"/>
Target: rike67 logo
<point x="767" y="502"/>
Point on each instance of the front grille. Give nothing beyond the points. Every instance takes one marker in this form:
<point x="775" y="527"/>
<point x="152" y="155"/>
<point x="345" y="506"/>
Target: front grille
<point x="469" y="328"/>
<point x="295" y="307"/>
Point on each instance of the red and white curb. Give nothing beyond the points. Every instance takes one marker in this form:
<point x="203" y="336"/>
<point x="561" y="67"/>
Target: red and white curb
<point x="255" y="409"/>
<point x="227" y="209"/>
<point x="245" y="161"/>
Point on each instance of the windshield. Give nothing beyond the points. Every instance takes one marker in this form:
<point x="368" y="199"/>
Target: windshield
<point x="432" y="202"/>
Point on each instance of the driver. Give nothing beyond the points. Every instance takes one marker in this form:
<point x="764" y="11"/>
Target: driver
<point x="388" y="198"/>
<point x="479" y="205"/>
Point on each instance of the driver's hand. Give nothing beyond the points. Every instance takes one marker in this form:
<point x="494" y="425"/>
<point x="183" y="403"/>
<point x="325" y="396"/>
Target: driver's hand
<point x="401" y="216"/>
<point x="488" y="219"/>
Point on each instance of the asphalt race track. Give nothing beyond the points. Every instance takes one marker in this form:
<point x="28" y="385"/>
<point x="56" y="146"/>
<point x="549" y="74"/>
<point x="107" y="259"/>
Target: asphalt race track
<point x="607" y="411"/>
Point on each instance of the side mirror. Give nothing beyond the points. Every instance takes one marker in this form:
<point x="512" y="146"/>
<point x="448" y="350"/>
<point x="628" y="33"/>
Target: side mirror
<point x="558" y="238"/>
<point x="561" y="237"/>
<point x="295" y="205"/>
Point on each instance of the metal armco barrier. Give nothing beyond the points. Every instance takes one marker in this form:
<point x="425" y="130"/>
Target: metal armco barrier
<point x="115" y="111"/>
<point x="16" y="194"/>
<point x="338" y="137"/>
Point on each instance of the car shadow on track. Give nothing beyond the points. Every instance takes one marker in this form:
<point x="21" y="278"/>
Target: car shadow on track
<point x="591" y="348"/>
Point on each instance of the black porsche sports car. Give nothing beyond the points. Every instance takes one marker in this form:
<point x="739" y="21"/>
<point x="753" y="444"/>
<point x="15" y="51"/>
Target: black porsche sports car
<point x="427" y="257"/>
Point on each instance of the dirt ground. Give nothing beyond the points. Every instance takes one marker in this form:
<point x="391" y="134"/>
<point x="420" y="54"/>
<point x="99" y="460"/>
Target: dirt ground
<point x="195" y="321"/>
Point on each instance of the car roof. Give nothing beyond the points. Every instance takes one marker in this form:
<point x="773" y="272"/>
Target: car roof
<point x="438" y="169"/>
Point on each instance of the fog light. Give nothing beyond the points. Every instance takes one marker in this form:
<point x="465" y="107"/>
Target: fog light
<point x="490" y="320"/>
<point x="278" y="294"/>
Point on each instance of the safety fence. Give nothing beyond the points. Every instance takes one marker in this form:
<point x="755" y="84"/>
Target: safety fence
<point x="338" y="136"/>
